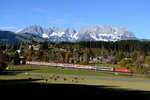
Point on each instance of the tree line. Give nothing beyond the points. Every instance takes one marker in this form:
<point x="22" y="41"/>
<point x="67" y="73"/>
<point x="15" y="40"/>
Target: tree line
<point x="123" y="53"/>
<point x="124" y="45"/>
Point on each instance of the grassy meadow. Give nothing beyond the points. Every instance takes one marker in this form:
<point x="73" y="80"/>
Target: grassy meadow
<point x="72" y="79"/>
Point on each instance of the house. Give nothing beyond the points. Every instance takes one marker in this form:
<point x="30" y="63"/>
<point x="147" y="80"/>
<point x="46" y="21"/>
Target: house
<point x="19" y="51"/>
<point x="22" y="60"/>
<point x="96" y="59"/>
<point x="35" y="47"/>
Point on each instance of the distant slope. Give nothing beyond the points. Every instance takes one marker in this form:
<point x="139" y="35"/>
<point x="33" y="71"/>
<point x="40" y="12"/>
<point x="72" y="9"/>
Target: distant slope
<point x="7" y="37"/>
<point x="27" y="37"/>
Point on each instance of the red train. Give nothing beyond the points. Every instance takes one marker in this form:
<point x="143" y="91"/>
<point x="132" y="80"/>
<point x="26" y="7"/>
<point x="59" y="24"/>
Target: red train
<point x="88" y="67"/>
<point x="125" y="70"/>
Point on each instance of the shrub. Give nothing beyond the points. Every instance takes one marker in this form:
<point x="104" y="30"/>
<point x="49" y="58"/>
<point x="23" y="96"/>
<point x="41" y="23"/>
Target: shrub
<point x="3" y="66"/>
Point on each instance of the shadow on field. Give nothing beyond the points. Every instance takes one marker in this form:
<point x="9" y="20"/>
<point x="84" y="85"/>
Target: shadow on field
<point x="15" y="72"/>
<point x="22" y="70"/>
<point x="27" y="89"/>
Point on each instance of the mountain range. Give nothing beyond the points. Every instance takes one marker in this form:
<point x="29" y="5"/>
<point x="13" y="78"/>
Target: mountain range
<point x="55" y="34"/>
<point x="93" y="33"/>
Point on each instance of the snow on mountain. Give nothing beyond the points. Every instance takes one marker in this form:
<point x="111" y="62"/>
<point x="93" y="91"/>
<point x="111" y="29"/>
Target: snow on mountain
<point x="93" y="33"/>
<point x="69" y="35"/>
<point x="75" y="36"/>
<point x="45" y="35"/>
<point x="37" y="30"/>
<point x="105" y="33"/>
<point x="18" y="31"/>
<point x="59" y="34"/>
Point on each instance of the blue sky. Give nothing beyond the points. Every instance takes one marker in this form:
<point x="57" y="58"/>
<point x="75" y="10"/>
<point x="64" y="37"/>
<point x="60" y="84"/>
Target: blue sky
<point x="132" y="14"/>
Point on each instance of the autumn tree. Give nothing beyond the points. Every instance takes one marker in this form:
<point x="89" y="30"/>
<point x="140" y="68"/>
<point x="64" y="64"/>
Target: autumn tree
<point x="139" y="61"/>
<point x="59" y="57"/>
<point x="3" y="66"/>
<point x="4" y="57"/>
<point x="40" y="55"/>
<point x="147" y="61"/>
<point x="85" y="57"/>
<point x="113" y="59"/>
<point x="3" y="60"/>
<point x="134" y="56"/>
<point x="67" y="55"/>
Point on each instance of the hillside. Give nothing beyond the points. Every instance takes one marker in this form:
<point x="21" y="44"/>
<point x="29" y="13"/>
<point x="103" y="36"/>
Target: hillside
<point x="7" y="37"/>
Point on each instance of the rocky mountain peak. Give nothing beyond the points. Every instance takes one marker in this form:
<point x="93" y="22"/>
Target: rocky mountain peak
<point x="93" y="33"/>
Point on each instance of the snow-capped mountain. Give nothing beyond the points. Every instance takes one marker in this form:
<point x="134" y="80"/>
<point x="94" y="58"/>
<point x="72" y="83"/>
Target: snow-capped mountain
<point x="93" y="33"/>
<point x="104" y="33"/>
<point x="70" y="35"/>
<point x="37" y="30"/>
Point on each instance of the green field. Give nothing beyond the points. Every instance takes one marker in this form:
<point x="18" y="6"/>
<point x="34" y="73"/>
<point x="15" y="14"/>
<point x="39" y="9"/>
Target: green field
<point x="86" y="81"/>
<point x="71" y="80"/>
<point x="58" y="70"/>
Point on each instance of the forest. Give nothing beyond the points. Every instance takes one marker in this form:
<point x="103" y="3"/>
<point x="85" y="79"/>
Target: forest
<point x="125" y="53"/>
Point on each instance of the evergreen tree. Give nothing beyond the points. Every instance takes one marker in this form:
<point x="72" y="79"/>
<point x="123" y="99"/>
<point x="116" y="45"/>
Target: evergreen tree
<point x="123" y="63"/>
<point x="45" y="46"/>
<point x="16" y="59"/>
<point x="15" y="47"/>
<point x="121" y="55"/>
